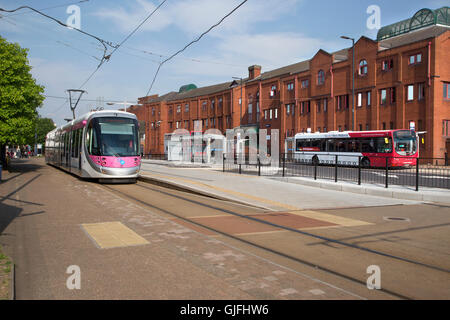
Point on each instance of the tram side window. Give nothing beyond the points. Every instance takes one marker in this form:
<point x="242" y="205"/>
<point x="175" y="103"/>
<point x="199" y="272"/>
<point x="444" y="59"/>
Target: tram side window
<point x="75" y="144"/>
<point x="67" y="142"/>
<point x="72" y="142"/>
<point x="91" y="141"/>
<point x="80" y="141"/>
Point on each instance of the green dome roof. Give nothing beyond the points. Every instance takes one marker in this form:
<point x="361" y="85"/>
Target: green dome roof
<point x="187" y="87"/>
<point x="422" y="18"/>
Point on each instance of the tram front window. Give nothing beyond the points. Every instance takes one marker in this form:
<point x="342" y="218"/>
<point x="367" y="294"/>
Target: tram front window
<point x="113" y="137"/>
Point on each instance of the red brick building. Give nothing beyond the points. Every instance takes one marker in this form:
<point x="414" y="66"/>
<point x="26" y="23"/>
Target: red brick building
<point x="401" y="78"/>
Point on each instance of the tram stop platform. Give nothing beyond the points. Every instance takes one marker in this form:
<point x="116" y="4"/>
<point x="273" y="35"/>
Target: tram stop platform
<point x="281" y="193"/>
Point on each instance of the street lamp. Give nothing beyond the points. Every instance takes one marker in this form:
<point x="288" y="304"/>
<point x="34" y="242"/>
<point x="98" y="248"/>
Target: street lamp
<point x="353" y="79"/>
<point x="240" y="106"/>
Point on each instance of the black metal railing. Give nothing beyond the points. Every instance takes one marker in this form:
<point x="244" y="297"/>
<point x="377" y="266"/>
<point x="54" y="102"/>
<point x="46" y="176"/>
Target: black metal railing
<point x="382" y="170"/>
<point x="155" y="156"/>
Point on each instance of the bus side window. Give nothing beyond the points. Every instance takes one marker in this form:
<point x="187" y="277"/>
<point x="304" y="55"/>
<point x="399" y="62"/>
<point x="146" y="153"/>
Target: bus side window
<point x="315" y="143"/>
<point x="341" y="146"/>
<point x="331" y="143"/>
<point x="367" y="145"/>
<point x="323" y="146"/>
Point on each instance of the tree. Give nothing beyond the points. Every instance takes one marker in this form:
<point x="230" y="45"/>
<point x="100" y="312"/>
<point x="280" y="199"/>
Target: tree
<point x="20" y="96"/>
<point x="42" y="127"/>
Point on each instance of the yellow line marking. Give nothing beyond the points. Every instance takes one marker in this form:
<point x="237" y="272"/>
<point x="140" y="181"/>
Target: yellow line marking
<point x="261" y="232"/>
<point x="346" y="222"/>
<point x="239" y="194"/>
<point x="113" y="234"/>
<point x="211" y="216"/>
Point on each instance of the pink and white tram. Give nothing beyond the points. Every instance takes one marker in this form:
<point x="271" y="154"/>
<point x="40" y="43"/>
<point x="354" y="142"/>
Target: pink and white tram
<point x="100" y="144"/>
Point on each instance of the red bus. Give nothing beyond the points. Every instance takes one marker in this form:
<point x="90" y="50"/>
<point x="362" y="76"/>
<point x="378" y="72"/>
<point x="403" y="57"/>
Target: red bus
<point x="400" y="147"/>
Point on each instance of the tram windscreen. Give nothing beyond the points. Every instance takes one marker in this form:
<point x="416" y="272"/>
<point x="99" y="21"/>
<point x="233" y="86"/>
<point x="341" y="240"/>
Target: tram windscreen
<point x="113" y="137"/>
<point x="405" y="142"/>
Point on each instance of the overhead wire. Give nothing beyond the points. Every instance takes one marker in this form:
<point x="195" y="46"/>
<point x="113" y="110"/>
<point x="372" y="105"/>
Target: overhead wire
<point x="48" y="8"/>
<point x="192" y="42"/>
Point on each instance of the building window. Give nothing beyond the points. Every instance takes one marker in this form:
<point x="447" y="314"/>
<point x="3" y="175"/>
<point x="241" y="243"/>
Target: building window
<point x="318" y="106"/>
<point x="446" y="91"/>
<point x="220" y="102"/>
<point x="290" y="86"/>
<point x="305" y="83"/>
<point x="393" y="95"/>
<point x="367" y="127"/>
<point x="410" y="92"/>
<point x="360" y="99"/>
<point x="250" y="112"/>
<point x="360" y="127"/>
<point x="362" y="67"/>
<point x="170" y="110"/>
<point x="340" y="128"/>
<point x="446" y="128"/>
<point x="179" y="109"/>
<point x="414" y="59"/>
<point x="320" y="77"/>
<point x="387" y="65"/>
<point x="421" y="91"/>
<point x="276" y="113"/>
<point x="265" y="114"/>
<point x="369" y="98"/>
<point x="204" y="105"/>
<point x="270" y="114"/>
<point x="212" y="105"/>
<point x="273" y="91"/>
<point x="288" y="107"/>
<point x="308" y="106"/>
<point x="324" y="129"/>
<point x="391" y="124"/>
<point x="153" y="111"/>
<point x="325" y="105"/>
<point x="384" y="125"/>
<point x="186" y="107"/>
<point x="383" y="96"/>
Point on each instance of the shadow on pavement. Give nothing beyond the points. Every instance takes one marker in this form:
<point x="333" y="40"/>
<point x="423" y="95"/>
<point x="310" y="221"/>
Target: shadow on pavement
<point x="7" y="215"/>
<point x="23" y="166"/>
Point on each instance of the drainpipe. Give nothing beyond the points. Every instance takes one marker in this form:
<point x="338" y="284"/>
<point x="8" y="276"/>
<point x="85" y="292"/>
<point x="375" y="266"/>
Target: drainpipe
<point x="429" y="63"/>
<point x="332" y="81"/>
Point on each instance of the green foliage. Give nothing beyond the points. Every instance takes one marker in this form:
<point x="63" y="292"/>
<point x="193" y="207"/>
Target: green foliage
<point x="20" y="96"/>
<point x="43" y="126"/>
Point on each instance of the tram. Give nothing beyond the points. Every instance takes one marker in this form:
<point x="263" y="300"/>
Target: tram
<point x="100" y="144"/>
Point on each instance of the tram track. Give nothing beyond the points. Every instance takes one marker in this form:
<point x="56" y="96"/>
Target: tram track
<point x="267" y="248"/>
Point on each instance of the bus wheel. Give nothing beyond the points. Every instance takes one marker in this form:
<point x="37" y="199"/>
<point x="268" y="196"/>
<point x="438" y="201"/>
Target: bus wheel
<point x="315" y="161"/>
<point x="365" y="163"/>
